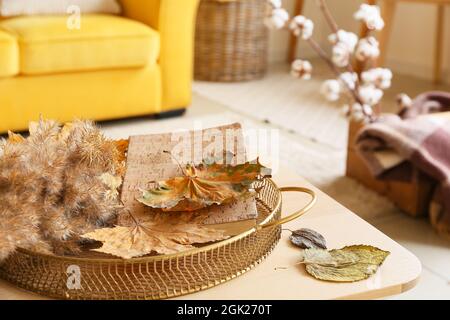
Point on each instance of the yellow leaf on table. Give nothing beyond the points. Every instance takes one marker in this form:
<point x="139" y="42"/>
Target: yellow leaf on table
<point x="349" y="264"/>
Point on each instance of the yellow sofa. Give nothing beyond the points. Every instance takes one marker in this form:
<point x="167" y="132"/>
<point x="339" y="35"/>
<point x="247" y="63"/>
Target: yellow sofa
<point x="110" y="67"/>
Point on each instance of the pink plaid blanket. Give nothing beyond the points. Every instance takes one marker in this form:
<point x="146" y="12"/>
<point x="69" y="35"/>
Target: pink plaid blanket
<point x="416" y="139"/>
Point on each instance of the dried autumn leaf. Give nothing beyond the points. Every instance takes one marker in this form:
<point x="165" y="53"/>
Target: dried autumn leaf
<point x="308" y="239"/>
<point x="349" y="264"/>
<point x="161" y="233"/>
<point x="204" y="185"/>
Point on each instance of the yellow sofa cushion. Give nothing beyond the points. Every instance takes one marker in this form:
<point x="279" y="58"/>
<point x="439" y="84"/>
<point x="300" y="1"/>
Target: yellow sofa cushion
<point x="9" y="55"/>
<point x="99" y="95"/>
<point x="47" y="45"/>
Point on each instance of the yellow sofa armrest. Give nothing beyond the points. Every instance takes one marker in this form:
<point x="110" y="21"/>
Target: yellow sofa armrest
<point x="175" y="21"/>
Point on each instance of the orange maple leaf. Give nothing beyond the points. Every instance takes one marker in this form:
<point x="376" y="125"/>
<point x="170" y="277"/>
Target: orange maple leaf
<point x="205" y="185"/>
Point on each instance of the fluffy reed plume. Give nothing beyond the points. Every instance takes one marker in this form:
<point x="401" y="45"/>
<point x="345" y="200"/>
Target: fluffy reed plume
<point x="56" y="185"/>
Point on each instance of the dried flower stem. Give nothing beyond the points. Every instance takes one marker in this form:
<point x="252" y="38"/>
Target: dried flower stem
<point x="328" y="16"/>
<point x="334" y="27"/>
<point x="336" y="71"/>
<point x="354" y="92"/>
<point x="378" y="109"/>
<point x="316" y="47"/>
<point x="332" y="23"/>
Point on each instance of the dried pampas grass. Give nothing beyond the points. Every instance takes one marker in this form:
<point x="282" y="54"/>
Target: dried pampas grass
<point x="55" y="185"/>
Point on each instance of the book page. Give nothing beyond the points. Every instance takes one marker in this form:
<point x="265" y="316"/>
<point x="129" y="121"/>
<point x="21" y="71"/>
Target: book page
<point x="147" y="163"/>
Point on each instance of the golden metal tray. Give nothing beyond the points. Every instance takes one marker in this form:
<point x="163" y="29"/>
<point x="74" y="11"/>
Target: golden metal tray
<point x="155" y="277"/>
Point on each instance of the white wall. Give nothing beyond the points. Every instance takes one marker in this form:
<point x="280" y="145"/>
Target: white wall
<point x="411" y="47"/>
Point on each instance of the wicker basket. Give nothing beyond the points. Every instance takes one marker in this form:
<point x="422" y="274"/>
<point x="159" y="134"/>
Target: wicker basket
<point x="231" y="40"/>
<point x="155" y="277"/>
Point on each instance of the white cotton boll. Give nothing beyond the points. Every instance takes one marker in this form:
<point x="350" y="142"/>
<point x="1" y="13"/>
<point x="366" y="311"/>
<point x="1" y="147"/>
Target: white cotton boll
<point x="301" y="69"/>
<point x="375" y="23"/>
<point x="344" y="46"/>
<point x="385" y="78"/>
<point x="357" y="106"/>
<point x="345" y="110"/>
<point x="331" y="89"/>
<point x="404" y="101"/>
<point x="302" y="27"/>
<point x="341" y="55"/>
<point x="308" y="30"/>
<point x="379" y="77"/>
<point x="367" y="48"/>
<point x="369" y="76"/>
<point x="357" y="115"/>
<point x="360" y="113"/>
<point x="347" y="38"/>
<point x="349" y="79"/>
<point x="370" y="15"/>
<point x="275" y="3"/>
<point x="306" y="76"/>
<point x="367" y="110"/>
<point x="296" y="25"/>
<point x="282" y="16"/>
<point x="370" y="94"/>
<point x="278" y="19"/>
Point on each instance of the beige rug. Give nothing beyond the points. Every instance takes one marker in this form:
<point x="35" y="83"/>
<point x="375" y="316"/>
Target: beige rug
<point x="294" y="105"/>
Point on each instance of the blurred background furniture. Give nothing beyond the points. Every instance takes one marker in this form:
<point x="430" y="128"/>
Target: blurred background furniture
<point x="388" y="8"/>
<point x="293" y="40"/>
<point x="112" y="67"/>
<point x="412" y="197"/>
<point x="231" y="40"/>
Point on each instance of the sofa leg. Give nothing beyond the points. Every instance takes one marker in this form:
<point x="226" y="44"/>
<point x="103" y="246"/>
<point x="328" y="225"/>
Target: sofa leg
<point x="170" y="114"/>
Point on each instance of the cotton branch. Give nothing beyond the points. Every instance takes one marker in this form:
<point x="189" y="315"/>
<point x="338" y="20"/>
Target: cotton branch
<point x="336" y="71"/>
<point x="316" y="47"/>
<point x="328" y="16"/>
<point x="339" y="63"/>
<point x="335" y="28"/>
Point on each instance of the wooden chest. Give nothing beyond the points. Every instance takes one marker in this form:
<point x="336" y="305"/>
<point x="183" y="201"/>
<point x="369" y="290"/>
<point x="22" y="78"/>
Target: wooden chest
<point x="413" y="197"/>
